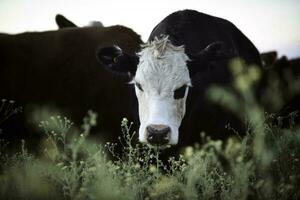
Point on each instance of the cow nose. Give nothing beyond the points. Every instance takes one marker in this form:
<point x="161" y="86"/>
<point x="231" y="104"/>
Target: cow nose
<point x="158" y="134"/>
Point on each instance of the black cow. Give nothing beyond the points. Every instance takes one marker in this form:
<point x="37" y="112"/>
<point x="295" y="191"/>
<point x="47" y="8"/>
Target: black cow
<point x="281" y="88"/>
<point x="186" y="53"/>
<point x="58" y="69"/>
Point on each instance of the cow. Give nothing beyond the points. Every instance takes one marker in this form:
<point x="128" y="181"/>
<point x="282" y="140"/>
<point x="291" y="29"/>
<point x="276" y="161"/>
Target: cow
<point x="281" y="78"/>
<point x="186" y="53"/>
<point x="58" y="70"/>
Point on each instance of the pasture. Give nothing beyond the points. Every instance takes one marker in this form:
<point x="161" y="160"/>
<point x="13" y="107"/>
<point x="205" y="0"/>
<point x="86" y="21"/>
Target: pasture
<point x="262" y="164"/>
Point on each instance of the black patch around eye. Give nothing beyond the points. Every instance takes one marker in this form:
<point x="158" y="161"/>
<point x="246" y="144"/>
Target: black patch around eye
<point x="138" y="85"/>
<point x="179" y="93"/>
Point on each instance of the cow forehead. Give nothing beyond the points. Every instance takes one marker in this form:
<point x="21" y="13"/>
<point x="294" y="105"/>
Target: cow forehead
<point x="162" y="63"/>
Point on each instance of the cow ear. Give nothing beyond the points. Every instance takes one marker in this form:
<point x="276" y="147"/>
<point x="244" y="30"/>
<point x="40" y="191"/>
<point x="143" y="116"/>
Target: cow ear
<point x="115" y="60"/>
<point x="205" y="59"/>
<point x="63" y="22"/>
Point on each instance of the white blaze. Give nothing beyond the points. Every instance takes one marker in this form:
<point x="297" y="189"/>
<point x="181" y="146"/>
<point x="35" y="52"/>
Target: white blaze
<point x="162" y="69"/>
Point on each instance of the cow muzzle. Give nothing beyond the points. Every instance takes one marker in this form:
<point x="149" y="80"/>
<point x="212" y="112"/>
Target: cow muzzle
<point x="158" y="134"/>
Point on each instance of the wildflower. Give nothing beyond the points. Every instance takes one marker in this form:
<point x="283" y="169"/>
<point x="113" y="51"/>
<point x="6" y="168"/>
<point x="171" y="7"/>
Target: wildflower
<point x="164" y="186"/>
<point x="59" y="164"/>
<point x="92" y="169"/>
<point x="152" y="168"/>
<point x="242" y="82"/>
<point x="217" y="144"/>
<point x="239" y="159"/>
<point x="137" y="166"/>
<point x="124" y="122"/>
<point x="93" y="122"/>
<point x="188" y="152"/>
<point x="202" y="134"/>
<point x="92" y="118"/>
<point x="237" y="67"/>
<point x="254" y="73"/>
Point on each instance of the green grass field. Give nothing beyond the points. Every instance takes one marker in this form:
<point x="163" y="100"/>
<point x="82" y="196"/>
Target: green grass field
<point x="265" y="164"/>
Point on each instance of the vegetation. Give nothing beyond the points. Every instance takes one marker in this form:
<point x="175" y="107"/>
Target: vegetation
<point x="262" y="165"/>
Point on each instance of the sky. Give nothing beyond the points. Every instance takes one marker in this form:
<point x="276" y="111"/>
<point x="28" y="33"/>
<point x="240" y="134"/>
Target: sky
<point x="269" y="24"/>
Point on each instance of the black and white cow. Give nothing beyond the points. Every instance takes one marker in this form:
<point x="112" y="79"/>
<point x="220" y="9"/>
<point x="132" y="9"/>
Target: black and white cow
<point x="186" y="53"/>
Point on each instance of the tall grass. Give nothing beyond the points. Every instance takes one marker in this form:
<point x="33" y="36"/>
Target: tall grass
<point x="262" y="165"/>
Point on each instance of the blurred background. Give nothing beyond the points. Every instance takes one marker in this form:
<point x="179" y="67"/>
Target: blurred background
<point x="270" y="24"/>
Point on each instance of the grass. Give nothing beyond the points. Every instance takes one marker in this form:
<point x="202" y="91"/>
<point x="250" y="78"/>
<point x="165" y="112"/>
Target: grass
<point x="262" y="165"/>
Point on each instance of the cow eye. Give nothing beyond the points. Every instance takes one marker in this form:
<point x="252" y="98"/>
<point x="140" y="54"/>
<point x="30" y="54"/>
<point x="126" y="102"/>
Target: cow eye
<point x="138" y="85"/>
<point x="179" y="93"/>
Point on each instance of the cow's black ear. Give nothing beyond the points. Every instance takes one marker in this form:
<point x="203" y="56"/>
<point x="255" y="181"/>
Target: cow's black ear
<point x="63" y="22"/>
<point x="115" y="60"/>
<point x="204" y="59"/>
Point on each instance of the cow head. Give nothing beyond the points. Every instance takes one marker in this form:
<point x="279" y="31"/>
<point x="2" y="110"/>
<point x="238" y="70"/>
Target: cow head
<point x="161" y="74"/>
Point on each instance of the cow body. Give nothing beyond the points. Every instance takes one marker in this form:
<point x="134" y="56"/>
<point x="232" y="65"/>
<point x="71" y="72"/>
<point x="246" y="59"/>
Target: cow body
<point x="281" y="89"/>
<point x="58" y="69"/>
<point x="186" y="53"/>
<point x="197" y="30"/>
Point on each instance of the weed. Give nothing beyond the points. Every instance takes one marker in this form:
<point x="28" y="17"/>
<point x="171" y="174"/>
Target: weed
<point x="262" y="165"/>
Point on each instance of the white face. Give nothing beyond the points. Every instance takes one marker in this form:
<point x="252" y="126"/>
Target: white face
<point x="161" y="85"/>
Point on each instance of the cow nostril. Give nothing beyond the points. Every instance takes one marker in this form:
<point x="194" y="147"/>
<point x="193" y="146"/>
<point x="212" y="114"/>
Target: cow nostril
<point x="158" y="129"/>
<point x="158" y="134"/>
